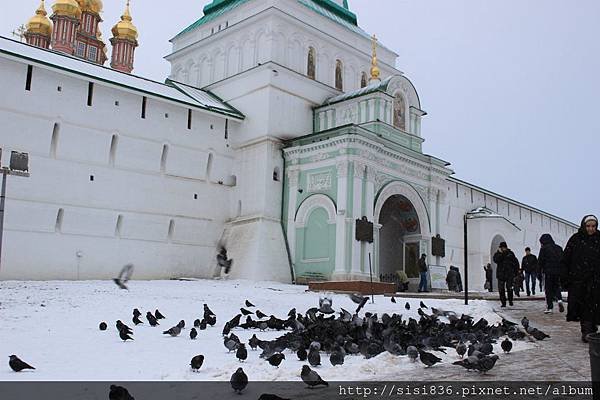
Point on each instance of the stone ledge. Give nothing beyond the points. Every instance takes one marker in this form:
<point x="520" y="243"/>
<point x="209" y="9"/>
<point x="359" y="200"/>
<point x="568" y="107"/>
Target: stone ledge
<point x="363" y="287"/>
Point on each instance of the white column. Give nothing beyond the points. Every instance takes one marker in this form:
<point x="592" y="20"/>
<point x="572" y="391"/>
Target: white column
<point x="293" y="175"/>
<point x="359" y="169"/>
<point x="340" y="219"/>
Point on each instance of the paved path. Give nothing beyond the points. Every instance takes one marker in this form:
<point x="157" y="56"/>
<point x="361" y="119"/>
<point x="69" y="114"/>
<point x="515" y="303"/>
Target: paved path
<point x="563" y="357"/>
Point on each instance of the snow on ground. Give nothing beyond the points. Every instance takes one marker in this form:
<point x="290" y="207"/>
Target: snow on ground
<point x="54" y="326"/>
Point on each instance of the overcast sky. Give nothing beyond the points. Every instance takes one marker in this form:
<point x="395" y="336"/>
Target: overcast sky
<point x="511" y="87"/>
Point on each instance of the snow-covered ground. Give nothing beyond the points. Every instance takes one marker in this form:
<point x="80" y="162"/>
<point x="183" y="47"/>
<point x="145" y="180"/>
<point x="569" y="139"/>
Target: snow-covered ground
<point x="54" y="327"/>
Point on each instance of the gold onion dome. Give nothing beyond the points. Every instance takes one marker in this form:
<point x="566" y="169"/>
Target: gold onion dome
<point x="68" y="8"/>
<point x="124" y="29"/>
<point x="40" y="23"/>
<point x="374" y="68"/>
<point x="94" y="6"/>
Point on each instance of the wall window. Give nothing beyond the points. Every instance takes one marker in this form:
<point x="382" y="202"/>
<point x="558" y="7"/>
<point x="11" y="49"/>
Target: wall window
<point x="92" y="53"/>
<point x="339" y="68"/>
<point x="80" y="52"/>
<point x="363" y="79"/>
<point x="399" y="112"/>
<point x="310" y="63"/>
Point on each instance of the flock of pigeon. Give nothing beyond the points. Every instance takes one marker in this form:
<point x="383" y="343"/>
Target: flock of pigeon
<point x="321" y="332"/>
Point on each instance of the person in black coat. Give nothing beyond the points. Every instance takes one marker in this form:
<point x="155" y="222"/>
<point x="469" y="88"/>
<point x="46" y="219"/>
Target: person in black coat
<point x="529" y="265"/>
<point x="422" y="263"/>
<point x="452" y="279"/>
<point x="507" y="268"/>
<point x="549" y="262"/>
<point x="580" y="275"/>
<point x="489" y="276"/>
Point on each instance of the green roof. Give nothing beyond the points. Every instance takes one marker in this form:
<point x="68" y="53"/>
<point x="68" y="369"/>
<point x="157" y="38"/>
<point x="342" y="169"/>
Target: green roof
<point x="326" y="8"/>
<point x="378" y="86"/>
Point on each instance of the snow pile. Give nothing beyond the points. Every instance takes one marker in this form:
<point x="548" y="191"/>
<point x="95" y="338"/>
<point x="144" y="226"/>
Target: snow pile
<point x="54" y="326"/>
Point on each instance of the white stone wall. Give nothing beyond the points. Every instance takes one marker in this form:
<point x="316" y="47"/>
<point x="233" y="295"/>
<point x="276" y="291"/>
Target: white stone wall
<point x="150" y="201"/>
<point x="277" y="30"/>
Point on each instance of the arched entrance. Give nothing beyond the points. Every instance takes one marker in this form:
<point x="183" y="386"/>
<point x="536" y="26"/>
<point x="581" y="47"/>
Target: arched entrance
<point x="399" y="238"/>
<point x="493" y="248"/>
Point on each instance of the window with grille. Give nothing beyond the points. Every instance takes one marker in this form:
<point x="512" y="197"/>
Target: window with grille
<point x="80" y="49"/>
<point x="92" y="53"/>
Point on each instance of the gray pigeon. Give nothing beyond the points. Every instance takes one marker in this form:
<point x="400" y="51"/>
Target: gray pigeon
<point x="525" y="322"/>
<point x="325" y="305"/>
<point x="336" y="357"/>
<point x="311" y="378"/>
<point x="486" y="363"/>
<point x="239" y="380"/>
<point x="314" y="358"/>
<point x="230" y="344"/>
<point x="461" y="349"/>
<point x="412" y="353"/>
<point x="193" y="333"/>
<point x="174" y="331"/>
<point x="429" y="359"/>
<point x="196" y="362"/>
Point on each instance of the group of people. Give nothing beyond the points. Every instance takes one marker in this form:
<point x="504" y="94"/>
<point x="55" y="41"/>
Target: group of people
<point x="575" y="269"/>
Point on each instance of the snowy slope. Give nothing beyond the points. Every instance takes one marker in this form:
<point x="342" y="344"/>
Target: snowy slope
<point x="54" y="327"/>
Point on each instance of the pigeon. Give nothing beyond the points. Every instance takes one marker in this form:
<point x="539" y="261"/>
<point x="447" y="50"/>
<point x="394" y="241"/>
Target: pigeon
<point x="158" y="315"/>
<point x="461" y="349"/>
<point x="525" y="322"/>
<point x="428" y="359"/>
<point x="136" y="313"/>
<point x="302" y="354"/>
<point x="124" y="276"/>
<point x="248" y="304"/>
<point x="362" y="304"/>
<point x="122" y="327"/>
<point x="226" y="329"/>
<point x="181" y="324"/>
<point x="119" y="393"/>
<point x="174" y="331"/>
<point x="241" y="354"/>
<point x="276" y="359"/>
<point x="222" y="260"/>
<point x="506" y="345"/>
<point x="245" y="312"/>
<point x="325" y="305"/>
<point x="412" y="352"/>
<point x="103" y="326"/>
<point x="17" y="364"/>
<point x="211" y="320"/>
<point x="207" y="311"/>
<point x="486" y="363"/>
<point x="151" y="319"/>
<point x="230" y="344"/>
<point x="311" y="378"/>
<point x="239" y="380"/>
<point x="197" y="323"/>
<point x="124" y="335"/>
<point x="468" y="363"/>
<point x="356" y="298"/>
<point x="260" y="315"/>
<point x="336" y="357"/>
<point x="269" y="396"/>
<point x="196" y="362"/>
<point x="537" y="334"/>
<point x="193" y="333"/>
<point x="136" y="320"/>
<point x="314" y="358"/>
<point x="393" y="299"/>
<point x="407" y="305"/>
<point x="202" y="325"/>
<point x="253" y="342"/>
<point x="422" y="305"/>
<point x="262" y="326"/>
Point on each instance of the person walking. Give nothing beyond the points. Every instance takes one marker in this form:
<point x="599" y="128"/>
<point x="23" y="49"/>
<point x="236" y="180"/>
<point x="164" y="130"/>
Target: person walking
<point x="423" y="272"/>
<point x="507" y="267"/>
<point x="489" y="274"/>
<point x="580" y="275"/>
<point x="549" y="261"/>
<point x="529" y="265"/>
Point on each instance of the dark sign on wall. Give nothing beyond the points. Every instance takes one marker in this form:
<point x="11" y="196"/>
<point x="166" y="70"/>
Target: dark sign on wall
<point x="364" y="230"/>
<point x="438" y="246"/>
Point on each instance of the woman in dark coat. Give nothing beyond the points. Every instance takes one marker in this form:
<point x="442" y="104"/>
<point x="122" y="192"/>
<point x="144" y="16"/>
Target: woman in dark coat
<point x="580" y="275"/>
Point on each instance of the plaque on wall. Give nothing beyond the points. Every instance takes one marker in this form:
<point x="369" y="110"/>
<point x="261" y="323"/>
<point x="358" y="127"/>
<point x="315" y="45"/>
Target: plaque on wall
<point x="364" y="230"/>
<point x="438" y="246"/>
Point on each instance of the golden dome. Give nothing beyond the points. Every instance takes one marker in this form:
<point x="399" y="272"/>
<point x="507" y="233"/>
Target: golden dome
<point x="40" y="23"/>
<point x="124" y="29"/>
<point x="69" y="8"/>
<point x="94" y="6"/>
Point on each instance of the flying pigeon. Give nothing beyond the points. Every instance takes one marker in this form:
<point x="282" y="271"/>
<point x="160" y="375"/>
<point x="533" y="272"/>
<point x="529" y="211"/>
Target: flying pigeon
<point x="124" y="276"/>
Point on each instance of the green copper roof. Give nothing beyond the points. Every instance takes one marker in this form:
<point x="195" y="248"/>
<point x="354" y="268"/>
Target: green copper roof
<point x="378" y="86"/>
<point x="326" y="8"/>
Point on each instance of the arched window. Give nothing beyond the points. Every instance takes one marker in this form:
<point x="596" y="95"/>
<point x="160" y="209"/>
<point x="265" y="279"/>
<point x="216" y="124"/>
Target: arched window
<point x="310" y="64"/>
<point x="339" y="83"/>
<point x="363" y="79"/>
<point x="399" y="112"/>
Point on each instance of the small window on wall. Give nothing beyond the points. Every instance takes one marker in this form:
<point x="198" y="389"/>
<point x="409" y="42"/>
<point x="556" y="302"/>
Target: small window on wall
<point x="363" y="79"/>
<point x="80" y="52"/>
<point x="339" y="80"/>
<point x="310" y="63"/>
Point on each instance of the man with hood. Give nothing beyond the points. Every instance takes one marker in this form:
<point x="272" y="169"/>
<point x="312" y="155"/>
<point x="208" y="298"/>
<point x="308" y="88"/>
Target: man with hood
<point x="549" y="264"/>
<point x="506" y="270"/>
<point x="580" y="275"/>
